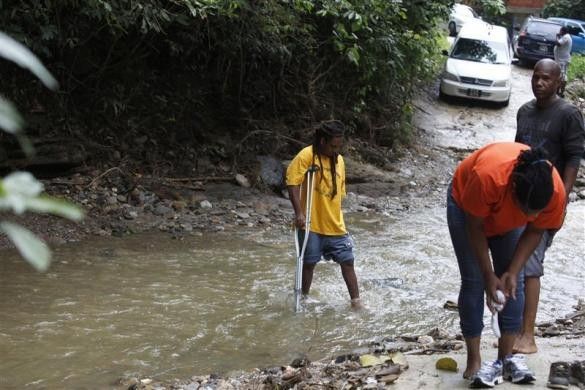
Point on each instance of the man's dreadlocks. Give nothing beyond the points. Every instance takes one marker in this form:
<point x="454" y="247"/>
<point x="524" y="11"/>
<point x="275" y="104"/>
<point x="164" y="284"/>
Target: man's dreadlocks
<point x="325" y="132"/>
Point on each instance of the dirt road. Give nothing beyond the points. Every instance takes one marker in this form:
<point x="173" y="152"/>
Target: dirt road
<point x="469" y="125"/>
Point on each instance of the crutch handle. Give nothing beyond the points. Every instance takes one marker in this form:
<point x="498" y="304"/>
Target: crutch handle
<point x="313" y="168"/>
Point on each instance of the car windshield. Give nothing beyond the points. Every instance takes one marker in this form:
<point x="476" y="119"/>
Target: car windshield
<point x="464" y="12"/>
<point x="545" y="29"/>
<point x="480" y="51"/>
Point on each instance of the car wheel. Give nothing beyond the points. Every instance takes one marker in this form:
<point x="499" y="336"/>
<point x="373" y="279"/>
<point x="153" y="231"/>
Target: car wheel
<point x="522" y="62"/>
<point x="452" y="29"/>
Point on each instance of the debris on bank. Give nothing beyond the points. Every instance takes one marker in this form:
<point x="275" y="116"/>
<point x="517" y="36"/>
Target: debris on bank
<point x="571" y="326"/>
<point x="374" y="367"/>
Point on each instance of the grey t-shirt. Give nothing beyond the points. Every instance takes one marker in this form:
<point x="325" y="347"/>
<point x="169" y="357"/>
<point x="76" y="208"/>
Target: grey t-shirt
<point x="562" y="50"/>
<point x="558" y="129"/>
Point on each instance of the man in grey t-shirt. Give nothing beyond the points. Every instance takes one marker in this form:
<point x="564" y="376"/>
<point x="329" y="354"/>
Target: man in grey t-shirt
<point x="562" y="53"/>
<point x="557" y="126"/>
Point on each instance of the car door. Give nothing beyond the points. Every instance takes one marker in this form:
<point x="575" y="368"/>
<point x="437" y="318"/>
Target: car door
<point x="578" y="36"/>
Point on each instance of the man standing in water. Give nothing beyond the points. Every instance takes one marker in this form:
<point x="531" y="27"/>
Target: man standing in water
<point x="328" y="236"/>
<point x="557" y="126"/>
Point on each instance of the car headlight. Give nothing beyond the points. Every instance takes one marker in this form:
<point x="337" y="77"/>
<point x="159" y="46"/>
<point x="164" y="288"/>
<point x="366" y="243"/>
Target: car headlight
<point x="502" y="83"/>
<point x="450" y="76"/>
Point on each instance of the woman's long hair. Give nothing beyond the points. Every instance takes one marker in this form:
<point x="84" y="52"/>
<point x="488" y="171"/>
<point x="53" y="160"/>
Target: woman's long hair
<point x="325" y="132"/>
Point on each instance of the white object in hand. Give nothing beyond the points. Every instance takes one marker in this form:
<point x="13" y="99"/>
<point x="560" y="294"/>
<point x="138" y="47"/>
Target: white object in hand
<point x="500" y="300"/>
<point x="498" y="305"/>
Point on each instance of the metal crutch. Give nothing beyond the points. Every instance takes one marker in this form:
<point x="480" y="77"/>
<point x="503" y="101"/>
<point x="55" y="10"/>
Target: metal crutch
<point x="308" y="206"/>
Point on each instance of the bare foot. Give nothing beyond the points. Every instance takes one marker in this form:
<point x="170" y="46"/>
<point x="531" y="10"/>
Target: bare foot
<point x="470" y="372"/>
<point x="525" y="344"/>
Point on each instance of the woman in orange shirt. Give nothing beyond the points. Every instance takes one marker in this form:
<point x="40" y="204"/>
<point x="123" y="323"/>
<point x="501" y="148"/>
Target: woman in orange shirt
<point x="502" y="198"/>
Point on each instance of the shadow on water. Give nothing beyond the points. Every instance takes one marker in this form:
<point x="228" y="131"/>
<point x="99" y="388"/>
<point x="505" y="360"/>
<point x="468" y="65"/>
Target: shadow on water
<point x="151" y="305"/>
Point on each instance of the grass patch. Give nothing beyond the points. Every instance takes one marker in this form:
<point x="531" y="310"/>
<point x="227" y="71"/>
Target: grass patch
<point x="577" y="67"/>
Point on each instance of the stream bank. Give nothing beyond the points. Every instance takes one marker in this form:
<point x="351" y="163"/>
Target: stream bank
<point x="414" y="181"/>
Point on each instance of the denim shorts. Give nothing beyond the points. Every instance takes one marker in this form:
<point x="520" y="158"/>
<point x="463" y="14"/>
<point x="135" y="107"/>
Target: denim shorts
<point x="336" y="248"/>
<point x="534" y="267"/>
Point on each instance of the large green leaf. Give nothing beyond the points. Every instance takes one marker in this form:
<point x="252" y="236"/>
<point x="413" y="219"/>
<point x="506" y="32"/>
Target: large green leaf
<point x="10" y="119"/>
<point x="16" y="189"/>
<point x="62" y="208"/>
<point x="14" y="51"/>
<point x="30" y="246"/>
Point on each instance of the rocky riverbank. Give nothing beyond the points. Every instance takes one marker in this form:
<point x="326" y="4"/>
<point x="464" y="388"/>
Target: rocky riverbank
<point x="433" y="360"/>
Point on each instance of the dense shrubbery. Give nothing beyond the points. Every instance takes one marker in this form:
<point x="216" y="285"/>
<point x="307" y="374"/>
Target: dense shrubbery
<point x="565" y="8"/>
<point x="577" y="68"/>
<point x="175" y="68"/>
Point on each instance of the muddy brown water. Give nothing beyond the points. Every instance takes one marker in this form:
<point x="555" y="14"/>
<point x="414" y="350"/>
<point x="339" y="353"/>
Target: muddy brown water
<point x="149" y="305"/>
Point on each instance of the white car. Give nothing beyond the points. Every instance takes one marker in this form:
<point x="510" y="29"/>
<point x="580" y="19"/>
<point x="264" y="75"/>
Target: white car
<point x="479" y="65"/>
<point x="460" y="14"/>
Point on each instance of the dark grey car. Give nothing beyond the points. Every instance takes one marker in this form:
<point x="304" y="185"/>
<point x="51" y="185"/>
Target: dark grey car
<point x="536" y="40"/>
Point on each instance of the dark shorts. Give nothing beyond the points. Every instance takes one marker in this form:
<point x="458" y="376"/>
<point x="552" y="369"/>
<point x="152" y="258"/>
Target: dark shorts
<point x="336" y="248"/>
<point x="534" y="267"/>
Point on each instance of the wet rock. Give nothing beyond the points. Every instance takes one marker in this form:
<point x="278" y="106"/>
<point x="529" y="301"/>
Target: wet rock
<point x="130" y="214"/>
<point x="161" y="209"/>
<point x="425" y="340"/>
<point x="242" y="180"/>
<point x="450" y="305"/>
<point x="300" y="362"/>
<point x="179" y="205"/>
<point x="271" y="172"/>
<point x="438" y="334"/>
<point x="205" y="205"/>
<point x="343" y="358"/>
<point x="127" y="383"/>
<point x="264" y="220"/>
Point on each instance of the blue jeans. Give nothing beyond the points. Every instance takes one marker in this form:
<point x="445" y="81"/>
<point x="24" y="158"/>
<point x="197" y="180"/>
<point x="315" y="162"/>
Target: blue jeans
<point x="471" y="294"/>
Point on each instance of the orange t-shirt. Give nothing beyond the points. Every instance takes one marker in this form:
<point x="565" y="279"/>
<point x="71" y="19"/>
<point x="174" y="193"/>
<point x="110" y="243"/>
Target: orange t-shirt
<point x="482" y="187"/>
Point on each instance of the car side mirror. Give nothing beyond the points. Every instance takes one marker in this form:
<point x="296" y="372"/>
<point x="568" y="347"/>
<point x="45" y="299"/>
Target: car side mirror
<point x="444" y="52"/>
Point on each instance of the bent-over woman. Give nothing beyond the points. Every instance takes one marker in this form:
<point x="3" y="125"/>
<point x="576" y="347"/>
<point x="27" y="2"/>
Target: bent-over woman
<point x="501" y="199"/>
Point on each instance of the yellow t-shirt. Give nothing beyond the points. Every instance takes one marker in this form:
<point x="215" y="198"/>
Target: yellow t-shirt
<point x="326" y="215"/>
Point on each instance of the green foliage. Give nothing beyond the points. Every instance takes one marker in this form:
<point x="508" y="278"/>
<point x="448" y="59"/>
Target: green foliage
<point x="574" y="9"/>
<point x="297" y="61"/>
<point x="20" y="191"/>
<point x="576" y="69"/>
<point x="489" y="8"/>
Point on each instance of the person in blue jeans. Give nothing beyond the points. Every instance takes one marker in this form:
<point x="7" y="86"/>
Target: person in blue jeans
<point x="501" y="199"/>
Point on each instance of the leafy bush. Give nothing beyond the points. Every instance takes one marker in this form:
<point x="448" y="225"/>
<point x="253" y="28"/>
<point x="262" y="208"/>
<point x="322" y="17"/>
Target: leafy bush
<point x="574" y="9"/>
<point x="20" y="191"/>
<point x="236" y="62"/>
<point x="576" y="68"/>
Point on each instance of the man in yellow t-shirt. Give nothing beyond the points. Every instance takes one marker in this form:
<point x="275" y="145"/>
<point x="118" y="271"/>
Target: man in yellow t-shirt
<point x="328" y="237"/>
